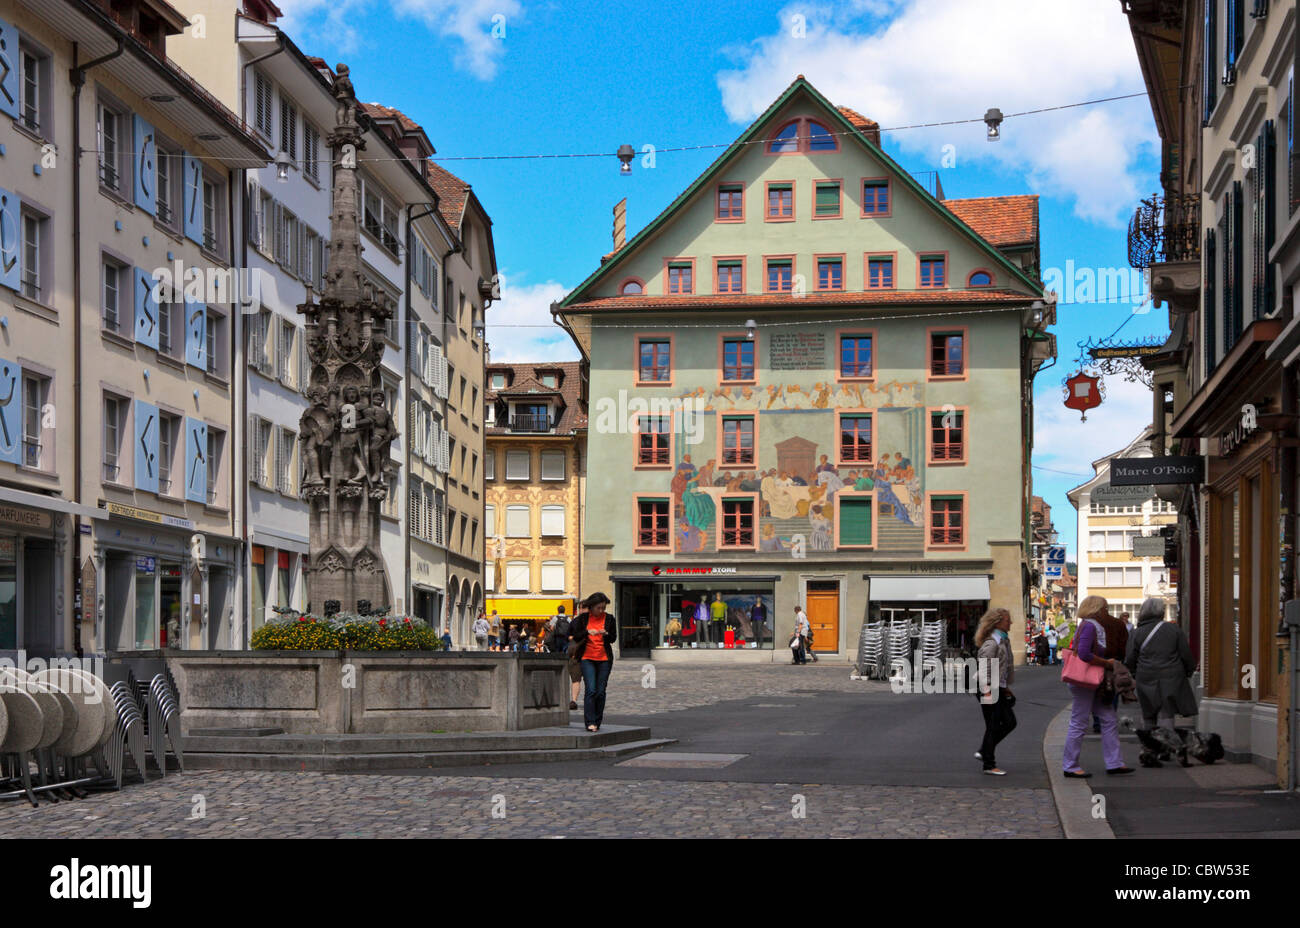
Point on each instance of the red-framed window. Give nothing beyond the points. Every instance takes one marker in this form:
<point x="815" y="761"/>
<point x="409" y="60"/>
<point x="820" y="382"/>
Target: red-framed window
<point x="731" y="277"/>
<point x="737" y="359"/>
<point x="934" y="271"/>
<point x="681" y="278"/>
<point x="653" y="435"/>
<point x="656" y="359"/>
<point x="980" y="279"/>
<point x="948" y="436"/>
<point x="780" y="275"/>
<point x="737" y="523"/>
<point x="738" y="440"/>
<point x="652" y="523"/>
<point x="802" y="134"/>
<point x="875" y="196"/>
<point x="731" y="202"/>
<point x="830" y="273"/>
<point x="855" y="438"/>
<point x="947" y="520"/>
<point x="947" y="354"/>
<point x="855" y="356"/>
<point x="780" y="201"/>
<point x="880" y="273"/>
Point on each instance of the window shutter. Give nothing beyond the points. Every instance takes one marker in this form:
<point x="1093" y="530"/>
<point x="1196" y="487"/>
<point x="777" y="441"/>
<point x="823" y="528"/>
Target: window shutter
<point x="446" y="452"/>
<point x="304" y="363"/>
<point x="254" y="213"/>
<point x="1210" y="301"/>
<point x="855" y="521"/>
<point x="251" y="447"/>
<point x="1268" y="165"/>
<point x="1209" y="67"/>
<point x="278" y="457"/>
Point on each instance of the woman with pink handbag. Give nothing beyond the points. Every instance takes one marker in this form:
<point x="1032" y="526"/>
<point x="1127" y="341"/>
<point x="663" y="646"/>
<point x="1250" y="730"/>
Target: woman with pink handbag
<point x="1083" y="673"/>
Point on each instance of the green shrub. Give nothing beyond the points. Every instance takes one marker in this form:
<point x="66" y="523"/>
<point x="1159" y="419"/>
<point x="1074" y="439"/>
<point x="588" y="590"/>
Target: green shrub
<point x="346" y="631"/>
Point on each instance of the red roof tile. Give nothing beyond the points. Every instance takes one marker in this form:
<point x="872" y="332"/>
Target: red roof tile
<point x="379" y="111"/>
<point x="777" y="300"/>
<point x="1000" y="221"/>
<point x="452" y="193"/>
<point x="524" y="375"/>
<point x="860" y="122"/>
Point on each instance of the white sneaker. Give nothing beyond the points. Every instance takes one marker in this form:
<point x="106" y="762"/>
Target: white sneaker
<point x="979" y="756"/>
<point x="995" y="772"/>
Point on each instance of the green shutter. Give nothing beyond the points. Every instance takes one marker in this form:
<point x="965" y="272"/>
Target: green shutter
<point x="828" y="199"/>
<point x="855" y="521"/>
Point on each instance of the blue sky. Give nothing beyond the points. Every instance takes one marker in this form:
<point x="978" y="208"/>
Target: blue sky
<point x="588" y="77"/>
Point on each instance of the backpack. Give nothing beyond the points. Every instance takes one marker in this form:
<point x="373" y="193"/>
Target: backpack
<point x="561" y="629"/>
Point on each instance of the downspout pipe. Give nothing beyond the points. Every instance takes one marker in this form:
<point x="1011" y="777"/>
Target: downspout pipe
<point x="78" y="77"/>
<point x="407" y="317"/>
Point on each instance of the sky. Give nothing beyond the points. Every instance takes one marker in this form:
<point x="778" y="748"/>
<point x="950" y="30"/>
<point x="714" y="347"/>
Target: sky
<point x="514" y="77"/>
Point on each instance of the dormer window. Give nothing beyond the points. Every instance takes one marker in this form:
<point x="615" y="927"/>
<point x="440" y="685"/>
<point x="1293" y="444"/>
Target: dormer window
<point x="549" y="380"/>
<point x="802" y="135"/>
<point x="498" y="381"/>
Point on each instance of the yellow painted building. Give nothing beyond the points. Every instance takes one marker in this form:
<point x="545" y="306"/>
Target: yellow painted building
<point x="534" y="478"/>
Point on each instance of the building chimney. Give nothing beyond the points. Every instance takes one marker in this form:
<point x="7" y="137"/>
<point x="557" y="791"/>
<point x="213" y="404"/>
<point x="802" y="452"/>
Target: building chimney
<point x="620" y="224"/>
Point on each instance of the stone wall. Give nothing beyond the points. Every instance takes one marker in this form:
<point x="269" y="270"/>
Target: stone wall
<point x="346" y="692"/>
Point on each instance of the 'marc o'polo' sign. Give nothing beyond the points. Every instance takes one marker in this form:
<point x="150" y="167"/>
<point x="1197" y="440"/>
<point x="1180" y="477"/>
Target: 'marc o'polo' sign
<point x="1165" y="470"/>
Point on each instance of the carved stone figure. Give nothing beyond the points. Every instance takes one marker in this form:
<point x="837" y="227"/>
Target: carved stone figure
<point x="382" y="433"/>
<point x="352" y="451"/>
<point x="317" y="430"/>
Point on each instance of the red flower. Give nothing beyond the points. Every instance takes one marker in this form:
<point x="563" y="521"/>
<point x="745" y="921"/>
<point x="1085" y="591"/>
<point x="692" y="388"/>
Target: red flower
<point x="383" y="622"/>
<point x="408" y="621"/>
<point x="302" y="618"/>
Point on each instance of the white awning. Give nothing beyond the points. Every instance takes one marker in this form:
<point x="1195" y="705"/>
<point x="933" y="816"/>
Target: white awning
<point x="923" y="588"/>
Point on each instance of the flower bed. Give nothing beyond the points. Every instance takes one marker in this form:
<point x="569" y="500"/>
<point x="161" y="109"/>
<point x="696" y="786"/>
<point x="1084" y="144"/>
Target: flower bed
<point x="346" y="631"/>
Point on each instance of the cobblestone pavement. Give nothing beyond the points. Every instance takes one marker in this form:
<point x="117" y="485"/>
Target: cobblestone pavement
<point x="646" y="688"/>
<point x="311" y="805"/>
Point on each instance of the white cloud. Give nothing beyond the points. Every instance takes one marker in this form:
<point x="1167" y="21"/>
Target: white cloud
<point x="521" y="328"/>
<point x="470" y="22"/>
<point x="938" y="60"/>
<point x="1063" y="443"/>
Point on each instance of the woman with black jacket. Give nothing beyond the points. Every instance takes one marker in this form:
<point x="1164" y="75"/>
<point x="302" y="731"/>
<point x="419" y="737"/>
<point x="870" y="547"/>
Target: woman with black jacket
<point x="594" y="633"/>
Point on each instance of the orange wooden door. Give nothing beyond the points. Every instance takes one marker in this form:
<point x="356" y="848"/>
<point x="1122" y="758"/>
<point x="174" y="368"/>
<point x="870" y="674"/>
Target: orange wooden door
<point x="824" y="617"/>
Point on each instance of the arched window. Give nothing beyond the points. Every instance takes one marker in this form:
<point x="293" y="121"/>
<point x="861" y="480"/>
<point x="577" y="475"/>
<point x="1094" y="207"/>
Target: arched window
<point x="980" y="279"/>
<point x="631" y="287"/>
<point x="820" y="138"/>
<point x="785" y="140"/>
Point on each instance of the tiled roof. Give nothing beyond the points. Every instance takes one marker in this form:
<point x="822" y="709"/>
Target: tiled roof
<point x="523" y="374"/>
<point x="379" y="111"/>
<point x="860" y="122"/>
<point x="1000" y="221"/>
<point x="778" y="300"/>
<point x="452" y="193"/>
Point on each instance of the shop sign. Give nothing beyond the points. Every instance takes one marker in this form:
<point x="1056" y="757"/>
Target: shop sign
<point x="146" y="565"/>
<point x="89" y="593"/>
<point x="146" y="515"/>
<point x="1149" y="546"/>
<point x="1055" y="563"/>
<point x="676" y="571"/>
<point x="1239" y="434"/>
<point x="24" y="518"/>
<point x="1127" y="472"/>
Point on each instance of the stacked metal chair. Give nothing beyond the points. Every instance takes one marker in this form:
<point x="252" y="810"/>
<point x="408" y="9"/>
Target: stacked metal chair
<point x="932" y="642"/>
<point x="871" y="649"/>
<point x="164" y="729"/>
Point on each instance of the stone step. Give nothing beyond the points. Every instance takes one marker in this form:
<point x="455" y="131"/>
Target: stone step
<point x="535" y="739"/>
<point x="371" y="763"/>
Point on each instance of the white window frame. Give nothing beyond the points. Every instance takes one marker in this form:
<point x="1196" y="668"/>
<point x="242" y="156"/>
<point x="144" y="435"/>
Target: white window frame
<point x="513" y="471"/>
<point x="514" y="514"/>
<point x="550" y="513"/>
<point x="554" y="456"/>
<point x="549" y="569"/>
<point x="518" y="576"/>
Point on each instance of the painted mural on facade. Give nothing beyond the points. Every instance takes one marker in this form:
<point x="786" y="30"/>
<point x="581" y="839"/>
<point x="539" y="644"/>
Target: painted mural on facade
<point x="798" y="477"/>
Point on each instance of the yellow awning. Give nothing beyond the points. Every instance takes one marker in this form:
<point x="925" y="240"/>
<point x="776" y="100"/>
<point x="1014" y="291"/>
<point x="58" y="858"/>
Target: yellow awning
<point x="514" y="610"/>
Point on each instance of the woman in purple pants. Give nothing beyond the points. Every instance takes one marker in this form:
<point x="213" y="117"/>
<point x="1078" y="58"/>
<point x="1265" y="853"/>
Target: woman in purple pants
<point x="1089" y="644"/>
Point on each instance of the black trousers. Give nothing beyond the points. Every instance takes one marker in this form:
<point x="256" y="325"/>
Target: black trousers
<point x="999" y="721"/>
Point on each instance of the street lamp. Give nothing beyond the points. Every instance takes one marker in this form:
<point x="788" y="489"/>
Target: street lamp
<point x="625" y="154"/>
<point x="993" y="119"/>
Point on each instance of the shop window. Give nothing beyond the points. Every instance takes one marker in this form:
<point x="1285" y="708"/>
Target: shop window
<point x="737" y="523"/>
<point x="652" y="523"/>
<point x="855" y="438"/>
<point x="653" y="436"/>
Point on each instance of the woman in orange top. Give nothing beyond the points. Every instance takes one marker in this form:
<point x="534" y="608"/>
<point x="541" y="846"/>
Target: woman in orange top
<point x="594" y="632"/>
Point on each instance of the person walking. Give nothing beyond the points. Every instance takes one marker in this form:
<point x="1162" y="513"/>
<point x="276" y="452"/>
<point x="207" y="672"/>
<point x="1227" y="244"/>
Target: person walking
<point x="1041" y="650"/>
<point x="1051" y="643"/>
<point x="560" y="631"/>
<point x="513" y="637"/>
<point x="594" y="633"/>
<point x="992" y="637"/>
<point x="481" y="632"/>
<point x="1161" y="662"/>
<point x="803" y="629"/>
<point x="446" y="639"/>
<point x="1116" y="647"/>
<point x="1089" y="644"/>
<point x="497" y="640"/>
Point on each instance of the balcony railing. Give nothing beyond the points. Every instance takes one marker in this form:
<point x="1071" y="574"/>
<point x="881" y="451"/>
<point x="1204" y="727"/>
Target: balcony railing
<point x="1164" y="230"/>
<point x="530" y="422"/>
